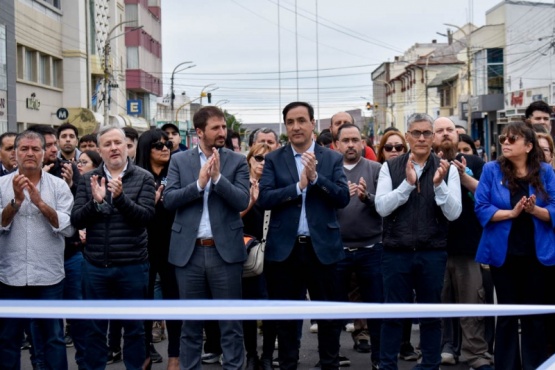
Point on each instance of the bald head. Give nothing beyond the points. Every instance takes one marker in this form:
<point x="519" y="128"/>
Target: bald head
<point x="446" y="137"/>
<point x="338" y="120"/>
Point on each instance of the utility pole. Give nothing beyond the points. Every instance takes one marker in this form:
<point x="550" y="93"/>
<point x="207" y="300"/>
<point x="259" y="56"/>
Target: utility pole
<point x="107" y="68"/>
<point x="469" y="67"/>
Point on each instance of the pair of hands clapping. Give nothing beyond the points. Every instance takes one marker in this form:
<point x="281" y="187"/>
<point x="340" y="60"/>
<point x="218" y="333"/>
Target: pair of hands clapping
<point x="210" y="170"/>
<point x="439" y="175"/>
<point x="99" y="188"/>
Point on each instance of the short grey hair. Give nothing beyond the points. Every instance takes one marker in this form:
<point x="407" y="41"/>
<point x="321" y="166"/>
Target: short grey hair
<point x="419" y="117"/>
<point x="32" y="135"/>
<point x="265" y="130"/>
<point x="106" y="129"/>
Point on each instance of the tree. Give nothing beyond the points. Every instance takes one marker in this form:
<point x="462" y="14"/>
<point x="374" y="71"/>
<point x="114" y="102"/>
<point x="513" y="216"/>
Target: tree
<point x="233" y="123"/>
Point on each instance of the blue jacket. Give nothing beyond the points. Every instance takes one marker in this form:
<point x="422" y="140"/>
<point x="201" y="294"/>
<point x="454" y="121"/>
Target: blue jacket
<point x="491" y="196"/>
<point x="278" y="192"/>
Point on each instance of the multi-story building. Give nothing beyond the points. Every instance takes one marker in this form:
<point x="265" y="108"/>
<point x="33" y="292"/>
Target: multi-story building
<point x="88" y="62"/>
<point x="7" y="68"/>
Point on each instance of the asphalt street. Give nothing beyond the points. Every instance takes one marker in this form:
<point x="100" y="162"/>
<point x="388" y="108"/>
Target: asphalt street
<point x="308" y="355"/>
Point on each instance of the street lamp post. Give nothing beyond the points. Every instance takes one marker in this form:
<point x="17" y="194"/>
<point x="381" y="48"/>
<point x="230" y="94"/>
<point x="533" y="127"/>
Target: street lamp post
<point x="172" y="97"/>
<point x="223" y="101"/>
<point x="469" y="69"/>
<point x="107" y="69"/>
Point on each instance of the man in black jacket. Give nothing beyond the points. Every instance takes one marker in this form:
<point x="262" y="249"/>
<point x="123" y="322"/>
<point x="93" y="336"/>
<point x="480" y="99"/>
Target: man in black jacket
<point x="417" y="194"/>
<point x="115" y="203"/>
<point x="463" y="277"/>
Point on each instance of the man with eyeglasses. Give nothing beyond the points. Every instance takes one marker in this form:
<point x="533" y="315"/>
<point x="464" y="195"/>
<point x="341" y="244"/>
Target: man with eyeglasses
<point x="463" y="275"/>
<point x="418" y="194"/>
<point x="539" y="113"/>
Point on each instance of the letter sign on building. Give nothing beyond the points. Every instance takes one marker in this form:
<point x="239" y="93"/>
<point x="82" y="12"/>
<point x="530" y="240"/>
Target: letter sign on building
<point x="62" y="114"/>
<point x="134" y="107"/>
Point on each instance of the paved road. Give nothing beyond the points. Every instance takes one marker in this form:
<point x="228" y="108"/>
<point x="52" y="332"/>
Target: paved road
<point x="309" y="354"/>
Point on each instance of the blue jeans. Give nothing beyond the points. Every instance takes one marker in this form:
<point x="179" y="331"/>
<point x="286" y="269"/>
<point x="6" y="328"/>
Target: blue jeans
<point x="404" y="271"/>
<point x="45" y="331"/>
<point x="366" y="264"/>
<point x="73" y="290"/>
<point x="116" y="282"/>
<point x="206" y="276"/>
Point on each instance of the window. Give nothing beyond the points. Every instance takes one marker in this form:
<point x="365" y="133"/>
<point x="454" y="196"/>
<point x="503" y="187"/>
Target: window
<point x="3" y="60"/>
<point x="445" y="97"/>
<point x="57" y="73"/>
<point x="54" y="3"/>
<point x="495" y="71"/>
<point x="44" y="69"/>
<point x="37" y="67"/>
<point x="132" y="57"/>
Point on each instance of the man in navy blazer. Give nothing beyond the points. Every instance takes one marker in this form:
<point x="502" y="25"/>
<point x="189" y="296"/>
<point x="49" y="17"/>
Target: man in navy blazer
<point x="208" y="186"/>
<point x="303" y="184"/>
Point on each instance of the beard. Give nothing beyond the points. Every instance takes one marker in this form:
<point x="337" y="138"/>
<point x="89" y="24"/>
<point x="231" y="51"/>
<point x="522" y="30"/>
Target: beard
<point x="448" y="148"/>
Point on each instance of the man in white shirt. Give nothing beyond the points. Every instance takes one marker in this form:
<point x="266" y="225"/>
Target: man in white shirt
<point x="418" y="194"/>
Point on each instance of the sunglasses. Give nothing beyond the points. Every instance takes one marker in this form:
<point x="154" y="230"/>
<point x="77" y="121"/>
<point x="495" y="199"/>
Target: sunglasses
<point x="417" y="133"/>
<point x="259" y="158"/>
<point x="511" y="138"/>
<point x="160" y="145"/>
<point x="397" y="147"/>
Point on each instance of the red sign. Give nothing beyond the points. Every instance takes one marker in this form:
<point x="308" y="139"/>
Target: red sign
<point x="517" y="98"/>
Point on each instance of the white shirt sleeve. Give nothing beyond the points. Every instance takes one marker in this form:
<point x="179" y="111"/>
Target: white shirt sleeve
<point x="448" y="196"/>
<point x="387" y="198"/>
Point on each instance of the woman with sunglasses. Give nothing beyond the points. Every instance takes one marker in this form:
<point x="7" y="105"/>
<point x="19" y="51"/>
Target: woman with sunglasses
<point x="392" y="145"/>
<point x="515" y="203"/>
<point x="88" y="161"/>
<point x="254" y="287"/>
<point x="153" y="154"/>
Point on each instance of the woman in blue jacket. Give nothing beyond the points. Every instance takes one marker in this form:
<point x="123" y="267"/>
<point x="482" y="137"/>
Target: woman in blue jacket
<point x="515" y="203"/>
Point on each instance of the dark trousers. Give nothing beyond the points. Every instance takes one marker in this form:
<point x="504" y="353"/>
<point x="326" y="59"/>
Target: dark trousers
<point x="403" y="272"/>
<point x="287" y="280"/>
<point x="119" y="282"/>
<point x="168" y="283"/>
<point x="521" y="280"/>
<point x="365" y="263"/>
<point x="47" y="331"/>
<point x="253" y="288"/>
<point x="206" y="276"/>
<point x="73" y="290"/>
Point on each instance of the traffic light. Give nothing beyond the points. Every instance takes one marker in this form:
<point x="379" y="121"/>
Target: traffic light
<point x="209" y="95"/>
<point x="368" y="106"/>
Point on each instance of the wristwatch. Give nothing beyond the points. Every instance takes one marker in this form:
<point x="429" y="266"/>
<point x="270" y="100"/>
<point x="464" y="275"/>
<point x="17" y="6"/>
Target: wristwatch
<point x="13" y="203"/>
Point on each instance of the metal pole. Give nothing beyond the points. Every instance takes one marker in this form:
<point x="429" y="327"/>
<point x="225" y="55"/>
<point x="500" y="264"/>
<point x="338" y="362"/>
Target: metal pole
<point x="107" y="69"/>
<point x="172" y="97"/>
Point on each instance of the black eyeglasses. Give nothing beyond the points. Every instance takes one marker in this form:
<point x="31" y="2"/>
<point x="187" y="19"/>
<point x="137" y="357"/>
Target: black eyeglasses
<point x="397" y="147"/>
<point x="258" y="158"/>
<point x="160" y="145"/>
<point x="511" y="138"/>
<point x="417" y="133"/>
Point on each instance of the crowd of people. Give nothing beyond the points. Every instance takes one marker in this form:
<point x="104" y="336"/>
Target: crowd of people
<point x="419" y="218"/>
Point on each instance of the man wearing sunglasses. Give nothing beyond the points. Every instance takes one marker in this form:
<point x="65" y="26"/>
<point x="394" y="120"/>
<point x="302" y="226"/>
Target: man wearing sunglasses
<point x="418" y="194"/>
<point x="463" y="275"/>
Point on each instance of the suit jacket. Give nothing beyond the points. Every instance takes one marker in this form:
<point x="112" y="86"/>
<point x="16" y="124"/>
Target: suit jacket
<point x="278" y="192"/>
<point x="491" y="196"/>
<point x="226" y="200"/>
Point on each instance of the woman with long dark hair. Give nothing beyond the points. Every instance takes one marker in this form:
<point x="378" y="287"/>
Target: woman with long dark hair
<point x="515" y="203"/>
<point x="153" y="154"/>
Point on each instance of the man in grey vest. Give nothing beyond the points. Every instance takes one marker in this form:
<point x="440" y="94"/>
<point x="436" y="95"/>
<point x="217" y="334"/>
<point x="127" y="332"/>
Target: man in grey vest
<point x="418" y="194"/>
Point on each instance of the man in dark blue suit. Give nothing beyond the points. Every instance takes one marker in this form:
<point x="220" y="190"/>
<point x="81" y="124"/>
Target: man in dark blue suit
<point x="303" y="184"/>
<point x="208" y="186"/>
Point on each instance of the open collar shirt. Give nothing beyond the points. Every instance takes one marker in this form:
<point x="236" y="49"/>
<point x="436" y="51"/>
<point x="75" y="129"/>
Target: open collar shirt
<point x="31" y="249"/>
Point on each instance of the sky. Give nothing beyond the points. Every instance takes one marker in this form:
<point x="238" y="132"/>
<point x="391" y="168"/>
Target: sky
<point x="325" y="53"/>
